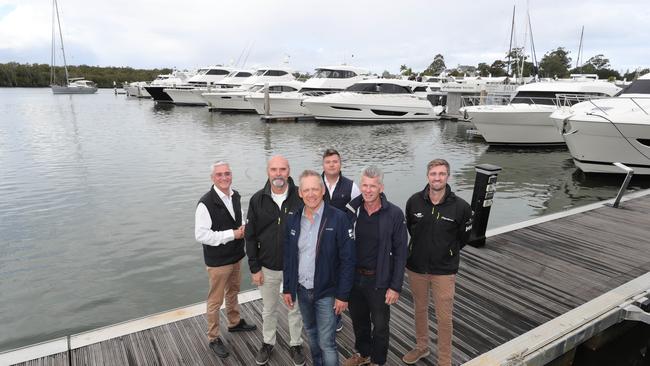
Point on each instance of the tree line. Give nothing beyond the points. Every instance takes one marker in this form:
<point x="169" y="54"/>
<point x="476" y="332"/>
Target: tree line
<point x="554" y="64"/>
<point x="13" y="74"/>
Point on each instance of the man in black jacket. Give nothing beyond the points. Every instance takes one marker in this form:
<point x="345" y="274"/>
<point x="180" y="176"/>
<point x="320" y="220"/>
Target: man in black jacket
<point x="439" y="223"/>
<point x="339" y="191"/>
<point x="268" y="210"/>
<point x="218" y="226"/>
<point x="381" y="247"/>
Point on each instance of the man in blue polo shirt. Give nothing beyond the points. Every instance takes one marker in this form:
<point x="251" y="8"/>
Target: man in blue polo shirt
<point x="318" y="267"/>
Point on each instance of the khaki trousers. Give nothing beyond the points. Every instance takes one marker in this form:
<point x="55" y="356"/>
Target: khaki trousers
<point x="270" y="291"/>
<point x="443" y="288"/>
<point x="224" y="283"/>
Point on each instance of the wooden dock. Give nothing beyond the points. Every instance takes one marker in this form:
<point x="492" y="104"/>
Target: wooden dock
<point x="527" y="275"/>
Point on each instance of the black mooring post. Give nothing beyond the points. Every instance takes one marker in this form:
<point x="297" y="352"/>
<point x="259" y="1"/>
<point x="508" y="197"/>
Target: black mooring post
<point x="484" y="188"/>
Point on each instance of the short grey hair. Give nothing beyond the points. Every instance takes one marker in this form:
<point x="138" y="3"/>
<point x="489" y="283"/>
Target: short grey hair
<point x="216" y="164"/>
<point x="310" y="173"/>
<point x="373" y="171"/>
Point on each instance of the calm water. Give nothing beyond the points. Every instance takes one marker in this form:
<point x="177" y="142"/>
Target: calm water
<point x="97" y="196"/>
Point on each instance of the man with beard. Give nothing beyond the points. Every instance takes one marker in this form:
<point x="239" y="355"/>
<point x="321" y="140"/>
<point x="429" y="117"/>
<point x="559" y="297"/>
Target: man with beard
<point x="439" y="223"/>
<point x="268" y="210"/>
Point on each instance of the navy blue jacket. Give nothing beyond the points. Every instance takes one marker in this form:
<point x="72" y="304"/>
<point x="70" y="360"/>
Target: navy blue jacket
<point x="393" y="249"/>
<point x="342" y="193"/>
<point x="335" y="255"/>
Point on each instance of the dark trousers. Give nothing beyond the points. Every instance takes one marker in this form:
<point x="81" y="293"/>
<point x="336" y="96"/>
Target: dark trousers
<point x="370" y="316"/>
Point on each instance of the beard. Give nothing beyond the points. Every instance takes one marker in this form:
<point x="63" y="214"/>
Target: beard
<point x="279" y="182"/>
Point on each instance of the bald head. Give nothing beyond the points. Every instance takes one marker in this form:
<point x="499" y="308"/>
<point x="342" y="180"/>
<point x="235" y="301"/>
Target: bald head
<point x="278" y="171"/>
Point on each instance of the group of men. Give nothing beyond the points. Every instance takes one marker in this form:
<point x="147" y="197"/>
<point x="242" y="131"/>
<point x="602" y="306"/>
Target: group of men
<point x="330" y="246"/>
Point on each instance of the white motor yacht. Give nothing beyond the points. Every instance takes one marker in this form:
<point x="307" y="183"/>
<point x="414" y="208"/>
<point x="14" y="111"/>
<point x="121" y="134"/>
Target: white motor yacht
<point x="525" y="119"/>
<point x="327" y="79"/>
<point x="600" y="132"/>
<point x="240" y="101"/>
<point x="156" y="87"/>
<point x="137" y="89"/>
<point x="190" y="93"/>
<point x="374" y="100"/>
<point x="214" y="98"/>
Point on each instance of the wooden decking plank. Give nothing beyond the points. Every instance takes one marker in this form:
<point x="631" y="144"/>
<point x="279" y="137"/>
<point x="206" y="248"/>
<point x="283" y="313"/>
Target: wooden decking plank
<point x="520" y="280"/>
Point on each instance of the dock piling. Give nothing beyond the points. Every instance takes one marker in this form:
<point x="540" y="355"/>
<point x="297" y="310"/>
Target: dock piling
<point x="482" y="196"/>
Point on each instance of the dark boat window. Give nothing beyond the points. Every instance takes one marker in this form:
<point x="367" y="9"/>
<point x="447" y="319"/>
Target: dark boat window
<point x="288" y="89"/>
<point x="334" y="74"/>
<point x="384" y="88"/>
<point x="637" y="87"/>
<point x="275" y="73"/>
<point x="217" y="72"/>
<point x="420" y="89"/>
<point x="260" y="72"/>
<point x="243" y="74"/>
<point x="549" y="97"/>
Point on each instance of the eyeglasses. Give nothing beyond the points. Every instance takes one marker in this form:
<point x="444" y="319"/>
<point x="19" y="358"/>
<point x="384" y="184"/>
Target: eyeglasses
<point x="224" y="174"/>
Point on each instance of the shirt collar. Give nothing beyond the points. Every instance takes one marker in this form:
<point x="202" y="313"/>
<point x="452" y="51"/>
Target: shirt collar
<point x="318" y="213"/>
<point x="223" y="195"/>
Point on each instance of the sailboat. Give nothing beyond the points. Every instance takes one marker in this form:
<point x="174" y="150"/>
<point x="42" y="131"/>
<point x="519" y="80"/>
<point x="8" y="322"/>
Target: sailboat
<point x="72" y="85"/>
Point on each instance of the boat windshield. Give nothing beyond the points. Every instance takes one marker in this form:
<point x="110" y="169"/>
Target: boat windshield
<point x="201" y="71"/>
<point x="637" y="87"/>
<point x="546" y="97"/>
<point x="243" y="74"/>
<point x="260" y="72"/>
<point x="334" y="74"/>
<point x="379" y="88"/>
<point x="217" y="72"/>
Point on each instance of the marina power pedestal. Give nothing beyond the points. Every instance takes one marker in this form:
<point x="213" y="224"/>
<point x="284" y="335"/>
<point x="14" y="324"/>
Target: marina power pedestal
<point x="484" y="188"/>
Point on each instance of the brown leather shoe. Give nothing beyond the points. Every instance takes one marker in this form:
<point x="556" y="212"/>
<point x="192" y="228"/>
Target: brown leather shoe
<point x="356" y="360"/>
<point x="415" y="355"/>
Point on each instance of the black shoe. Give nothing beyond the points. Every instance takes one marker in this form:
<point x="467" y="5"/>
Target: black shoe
<point x="297" y="356"/>
<point x="242" y="327"/>
<point x="264" y="354"/>
<point x="219" y="348"/>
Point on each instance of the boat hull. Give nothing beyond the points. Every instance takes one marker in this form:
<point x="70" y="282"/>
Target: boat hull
<point x="279" y="105"/>
<point x="595" y="145"/>
<point x="158" y="94"/>
<point x="516" y="125"/>
<point x="187" y="96"/>
<point x="370" y="108"/>
<point x="57" y="89"/>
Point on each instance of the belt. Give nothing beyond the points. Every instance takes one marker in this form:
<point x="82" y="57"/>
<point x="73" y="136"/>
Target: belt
<point x="366" y="272"/>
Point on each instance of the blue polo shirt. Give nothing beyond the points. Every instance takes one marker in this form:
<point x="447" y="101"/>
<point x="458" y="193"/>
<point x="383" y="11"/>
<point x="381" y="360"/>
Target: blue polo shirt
<point x="307" y="247"/>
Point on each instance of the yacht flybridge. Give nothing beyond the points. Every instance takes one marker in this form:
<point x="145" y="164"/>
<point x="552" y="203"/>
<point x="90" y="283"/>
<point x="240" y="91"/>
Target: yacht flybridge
<point x="157" y="87"/>
<point x="327" y="79"/>
<point x="190" y="93"/>
<point x="525" y="119"/>
<point x="375" y="100"/>
<point x="601" y="132"/>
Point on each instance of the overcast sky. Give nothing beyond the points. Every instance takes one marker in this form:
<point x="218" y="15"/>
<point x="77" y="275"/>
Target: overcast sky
<point x="379" y="35"/>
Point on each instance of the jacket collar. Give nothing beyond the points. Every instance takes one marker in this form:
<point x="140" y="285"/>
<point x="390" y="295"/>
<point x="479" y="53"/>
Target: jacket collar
<point x="449" y="195"/>
<point x="358" y="201"/>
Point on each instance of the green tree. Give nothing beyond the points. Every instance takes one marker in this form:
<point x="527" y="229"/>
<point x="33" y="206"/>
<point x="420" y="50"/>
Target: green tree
<point x="483" y="69"/>
<point x="405" y="70"/>
<point x="555" y="63"/>
<point x="498" y="68"/>
<point x="516" y="56"/>
<point x="437" y="66"/>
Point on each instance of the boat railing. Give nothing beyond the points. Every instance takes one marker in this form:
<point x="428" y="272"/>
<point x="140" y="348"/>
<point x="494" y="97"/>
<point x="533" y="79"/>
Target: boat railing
<point x="567" y="100"/>
<point x="489" y="99"/>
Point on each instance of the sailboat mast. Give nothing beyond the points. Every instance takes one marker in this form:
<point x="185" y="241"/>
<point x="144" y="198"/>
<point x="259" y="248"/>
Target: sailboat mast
<point x="582" y="32"/>
<point x="65" y="62"/>
<point x="512" y="31"/>
<point x="53" y="48"/>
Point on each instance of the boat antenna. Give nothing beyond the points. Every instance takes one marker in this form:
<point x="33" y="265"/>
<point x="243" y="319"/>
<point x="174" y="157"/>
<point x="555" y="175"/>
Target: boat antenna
<point x="512" y="31"/>
<point x="248" y="53"/>
<point x="578" y="63"/>
<point x="65" y="63"/>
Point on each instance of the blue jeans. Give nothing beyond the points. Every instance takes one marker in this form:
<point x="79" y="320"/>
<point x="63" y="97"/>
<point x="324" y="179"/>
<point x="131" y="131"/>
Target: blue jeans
<point x="319" y="320"/>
